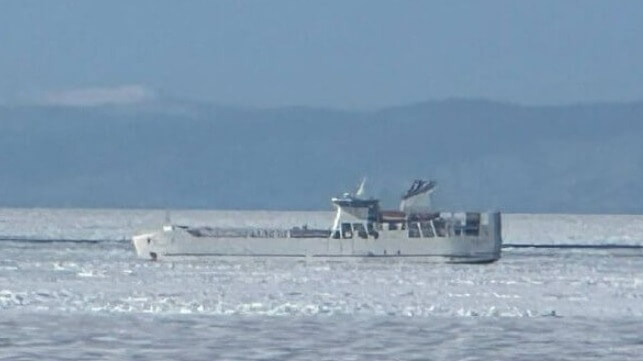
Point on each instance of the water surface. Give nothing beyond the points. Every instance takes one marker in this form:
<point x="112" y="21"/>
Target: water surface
<point x="97" y="301"/>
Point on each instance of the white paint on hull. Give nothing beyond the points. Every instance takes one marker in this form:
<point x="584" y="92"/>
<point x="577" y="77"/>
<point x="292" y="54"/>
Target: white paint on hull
<point x="178" y="242"/>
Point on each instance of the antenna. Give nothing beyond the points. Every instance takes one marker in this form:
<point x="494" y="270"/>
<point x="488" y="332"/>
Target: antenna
<point x="360" y="189"/>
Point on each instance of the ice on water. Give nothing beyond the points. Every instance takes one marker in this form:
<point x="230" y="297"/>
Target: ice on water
<point x="44" y="285"/>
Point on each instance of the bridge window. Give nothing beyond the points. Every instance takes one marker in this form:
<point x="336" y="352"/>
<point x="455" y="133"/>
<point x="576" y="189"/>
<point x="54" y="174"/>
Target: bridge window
<point x="414" y="230"/>
<point x="427" y="231"/>
<point x="440" y="227"/>
<point x="361" y="231"/>
<point x="372" y="230"/>
<point x="347" y="231"/>
<point x="472" y="225"/>
<point x="458" y="228"/>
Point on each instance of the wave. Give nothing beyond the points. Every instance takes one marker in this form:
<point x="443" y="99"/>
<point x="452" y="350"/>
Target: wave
<point x="56" y="240"/>
<point x="574" y="246"/>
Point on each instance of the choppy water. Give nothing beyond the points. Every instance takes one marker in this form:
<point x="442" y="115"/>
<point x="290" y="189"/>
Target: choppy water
<point x="74" y="301"/>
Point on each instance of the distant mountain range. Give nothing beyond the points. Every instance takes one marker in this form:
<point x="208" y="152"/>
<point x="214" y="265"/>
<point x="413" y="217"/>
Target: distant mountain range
<point x="173" y="154"/>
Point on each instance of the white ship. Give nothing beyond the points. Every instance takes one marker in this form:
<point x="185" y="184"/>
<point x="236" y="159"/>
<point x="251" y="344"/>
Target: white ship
<point x="360" y="229"/>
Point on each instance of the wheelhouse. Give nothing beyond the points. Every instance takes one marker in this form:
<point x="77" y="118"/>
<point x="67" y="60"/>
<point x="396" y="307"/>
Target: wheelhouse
<point x="362" y="218"/>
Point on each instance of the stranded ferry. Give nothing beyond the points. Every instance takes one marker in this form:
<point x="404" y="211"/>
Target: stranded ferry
<point x="360" y="229"/>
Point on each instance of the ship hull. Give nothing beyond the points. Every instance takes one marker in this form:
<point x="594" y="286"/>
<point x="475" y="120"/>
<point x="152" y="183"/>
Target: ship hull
<point x="179" y="243"/>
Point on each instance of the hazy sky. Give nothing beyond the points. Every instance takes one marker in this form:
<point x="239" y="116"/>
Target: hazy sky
<point x="348" y="54"/>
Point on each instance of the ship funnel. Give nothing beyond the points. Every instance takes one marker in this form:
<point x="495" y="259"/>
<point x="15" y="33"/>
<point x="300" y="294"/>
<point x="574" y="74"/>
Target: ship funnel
<point x="417" y="197"/>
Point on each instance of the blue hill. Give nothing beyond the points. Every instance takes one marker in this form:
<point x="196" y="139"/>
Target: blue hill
<point x="580" y="158"/>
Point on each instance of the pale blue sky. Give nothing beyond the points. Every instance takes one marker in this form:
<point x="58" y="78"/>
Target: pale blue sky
<point x="345" y="54"/>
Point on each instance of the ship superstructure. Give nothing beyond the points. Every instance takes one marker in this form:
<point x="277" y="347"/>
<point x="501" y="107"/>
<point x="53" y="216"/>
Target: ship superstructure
<point x="360" y="229"/>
